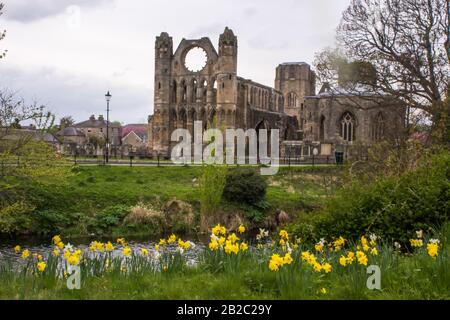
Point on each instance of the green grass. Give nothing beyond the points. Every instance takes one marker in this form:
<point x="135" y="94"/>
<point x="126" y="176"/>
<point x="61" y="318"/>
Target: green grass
<point x="94" y="189"/>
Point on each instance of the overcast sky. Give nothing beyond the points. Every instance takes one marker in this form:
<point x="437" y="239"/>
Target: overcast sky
<point x="67" y="53"/>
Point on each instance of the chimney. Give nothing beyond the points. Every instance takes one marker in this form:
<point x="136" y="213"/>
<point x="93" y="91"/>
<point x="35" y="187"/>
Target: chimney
<point x="100" y="118"/>
<point x="92" y="118"/>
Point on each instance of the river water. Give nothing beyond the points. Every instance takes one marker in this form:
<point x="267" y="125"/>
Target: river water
<point x="44" y="247"/>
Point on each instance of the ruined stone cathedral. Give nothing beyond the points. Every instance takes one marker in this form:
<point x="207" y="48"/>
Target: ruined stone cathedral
<point x="214" y="94"/>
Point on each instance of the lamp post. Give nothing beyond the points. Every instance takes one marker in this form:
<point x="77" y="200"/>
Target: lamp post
<point x="108" y="99"/>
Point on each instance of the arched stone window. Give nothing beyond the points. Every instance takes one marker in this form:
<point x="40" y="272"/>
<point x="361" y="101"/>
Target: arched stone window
<point x="183" y="92"/>
<point x="348" y="127"/>
<point x="292" y="100"/>
<point x="322" y="128"/>
<point x="378" y="127"/>
<point x="174" y="92"/>
<point x="194" y="91"/>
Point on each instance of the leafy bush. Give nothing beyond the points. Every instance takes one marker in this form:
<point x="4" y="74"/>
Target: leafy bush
<point x="392" y="207"/>
<point x="245" y="186"/>
<point x="110" y="217"/>
<point x="49" y="222"/>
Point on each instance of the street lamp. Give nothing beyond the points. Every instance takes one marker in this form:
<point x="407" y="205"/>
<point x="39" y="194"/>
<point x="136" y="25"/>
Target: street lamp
<point x="108" y="99"/>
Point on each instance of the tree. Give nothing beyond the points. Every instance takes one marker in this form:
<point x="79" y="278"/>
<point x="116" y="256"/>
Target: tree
<point x="66" y="122"/>
<point x="27" y="163"/>
<point x="407" y="43"/>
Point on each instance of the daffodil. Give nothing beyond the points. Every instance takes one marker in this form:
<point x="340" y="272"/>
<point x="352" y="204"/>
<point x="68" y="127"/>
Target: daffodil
<point x="183" y="244"/>
<point x="126" y="251"/>
<point x="55" y="252"/>
<point x="214" y="245"/>
<point x="276" y="261"/>
<point x="144" y="252"/>
<point x="317" y="267"/>
<point x="17" y="249"/>
<point x="374" y="251"/>
<point x="287" y="259"/>
<point x="343" y="261"/>
<point x="219" y="230"/>
<point x="243" y="246"/>
<point x="25" y="254"/>
<point x="327" y="267"/>
<point x="233" y="238"/>
<point x="41" y="266"/>
<point x="56" y="239"/>
<point x="109" y="246"/>
<point x="162" y="242"/>
<point x="362" y="258"/>
<point x="318" y="247"/>
<point x="415" y="243"/>
<point x="73" y="259"/>
<point x="172" y="239"/>
<point x="241" y="229"/>
<point x="433" y="249"/>
<point x="231" y="247"/>
<point x="121" y="241"/>
<point x="284" y="235"/>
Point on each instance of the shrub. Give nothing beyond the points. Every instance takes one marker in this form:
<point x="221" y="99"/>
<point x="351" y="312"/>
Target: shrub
<point x="212" y="183"/>
<point x="110" y="217"/>
<point x="245" y="186"/>
<point x="392" y="207"/>
<point x="50" y="222"/>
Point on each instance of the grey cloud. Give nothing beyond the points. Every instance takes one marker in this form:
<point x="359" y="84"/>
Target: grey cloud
<point x="29" y="11"/>
<point x="77" y="96"/>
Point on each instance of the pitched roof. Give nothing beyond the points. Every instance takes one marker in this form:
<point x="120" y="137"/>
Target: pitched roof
<point x="91" y="123"/>
<point x="140" y="135"/>
<point x="70" y="132"/>
<point x="139" y="127"/>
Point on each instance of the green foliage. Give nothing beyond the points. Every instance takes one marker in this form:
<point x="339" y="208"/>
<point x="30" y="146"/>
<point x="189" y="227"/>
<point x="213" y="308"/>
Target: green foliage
<point x="49" y="222"/>
<point x="245" y="186"/>
<point x="392" y="206"/>
<point x="212" y="183"/>
<point x="110" y="217"/>
<point x="36" y="168"/>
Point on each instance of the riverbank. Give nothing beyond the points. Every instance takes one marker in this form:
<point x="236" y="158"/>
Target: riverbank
<point x="96" y="199"/>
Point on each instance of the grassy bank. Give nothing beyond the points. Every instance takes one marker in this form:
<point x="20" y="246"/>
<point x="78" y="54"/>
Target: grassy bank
<point x="72" y="209"/>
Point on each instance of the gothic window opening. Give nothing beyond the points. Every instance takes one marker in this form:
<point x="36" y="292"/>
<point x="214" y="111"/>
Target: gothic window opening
<point x="194" y="91"/>
<point x="322" y="129"/>
<point x="174" y="92"/>
<point x="378" y="128"/>
<point x="348" y="127"/>
<point x="183" y="92"/>
<point x="292" y="100"/>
